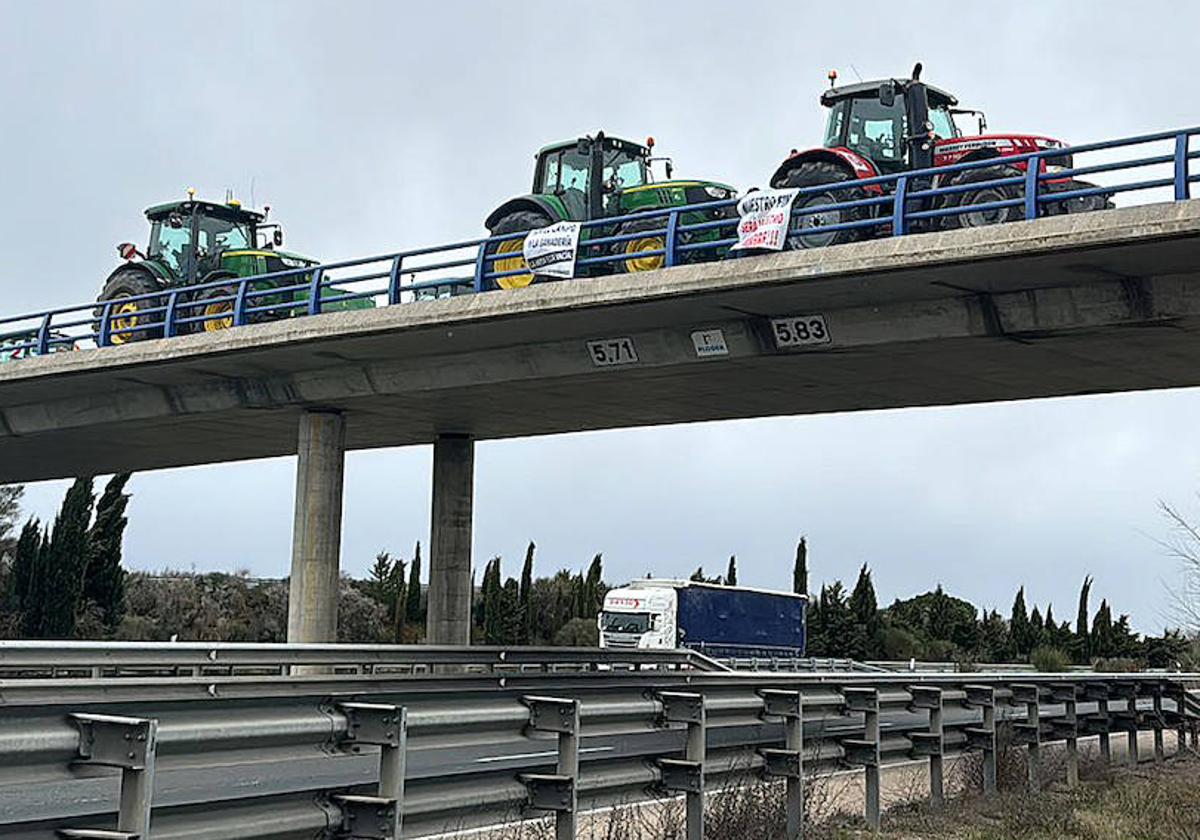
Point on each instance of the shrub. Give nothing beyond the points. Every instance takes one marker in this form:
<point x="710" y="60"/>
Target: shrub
<point x="1049" y="659"/>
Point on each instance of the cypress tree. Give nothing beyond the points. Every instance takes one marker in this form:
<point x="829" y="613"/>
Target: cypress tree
<point x="1037" y="628"/>
<point x="493" y="618"/>
<point x="104" y="577"/>
<point x="33" y="615"/>
<point x="525" y="596"/>
<point x="25" y="563"/>
<point x="800" y="568"/>
<point x="593" y="586"/>
<point x="66" y="560"/>
<point x="1018" y="625"/>
<point x="731" y="572"/>
<point x="864" y="612"/>
<point x="412" y="608"/>
<point x="1083" y="639"/>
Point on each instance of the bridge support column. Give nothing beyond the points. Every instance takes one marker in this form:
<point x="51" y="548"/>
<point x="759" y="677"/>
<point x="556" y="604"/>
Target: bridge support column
<point x="450" y="584"/>
<point x="317" y="528"/>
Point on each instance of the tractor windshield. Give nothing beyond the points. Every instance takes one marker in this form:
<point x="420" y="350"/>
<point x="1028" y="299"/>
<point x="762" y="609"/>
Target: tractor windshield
<point x="623" y="170"/>
<point x="169" y="241"/>
<point x="877" y="131"/>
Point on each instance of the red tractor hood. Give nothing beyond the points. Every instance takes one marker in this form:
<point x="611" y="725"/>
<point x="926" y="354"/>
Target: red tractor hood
<point x="1004" y="144"/>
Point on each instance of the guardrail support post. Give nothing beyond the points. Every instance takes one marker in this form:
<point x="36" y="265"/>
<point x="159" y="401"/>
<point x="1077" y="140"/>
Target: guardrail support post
<point x="672" y="239"/>
<point x="687" y="776"/>
<point x="1102" y="726"/>
<point x="1182" y="182"/>
<point x="1132" y="705"/>
<point x="317" y="528"/>
<point x="1033" y="168"/>
<point x="314" y="292"/>
<point x="1157" y="723"/>
<point x="385" y="726"/>
<point x="559" y="792"/>
<point x="865" y="752"/>
<point x="899" y="210"/>
<point x="787" y="763"/>
<point x="394" y="280"/>
<point x="983" y="738"/>
<point x="930" y="743"/>
<point x="1067" y="727"/>
<point x="128" y="743"/>
<point x="1030" y="732"/>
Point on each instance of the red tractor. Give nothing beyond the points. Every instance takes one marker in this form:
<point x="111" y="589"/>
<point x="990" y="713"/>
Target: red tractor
<point x="870" y="132"/>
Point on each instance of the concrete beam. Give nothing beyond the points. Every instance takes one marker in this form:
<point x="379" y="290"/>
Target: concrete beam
<point x="450" y="585"/>
<point x="317" y="528"/>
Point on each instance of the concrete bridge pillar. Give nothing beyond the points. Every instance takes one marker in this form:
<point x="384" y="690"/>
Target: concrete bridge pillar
<point x="450" y="584"/>
<point x="317" y="528"/>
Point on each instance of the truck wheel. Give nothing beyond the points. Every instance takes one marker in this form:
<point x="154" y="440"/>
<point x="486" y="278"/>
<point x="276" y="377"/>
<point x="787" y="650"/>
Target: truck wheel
<point x="984" y="195"/>
<point x="516" y="222"/>
<point x="634" y="248"/>
<point x="806" y="231"/>
<point x="126" y="321"/>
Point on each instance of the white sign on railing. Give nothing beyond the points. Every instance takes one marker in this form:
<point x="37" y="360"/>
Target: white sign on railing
<point x="766" y="215"/>
<point x="550" y="251"/>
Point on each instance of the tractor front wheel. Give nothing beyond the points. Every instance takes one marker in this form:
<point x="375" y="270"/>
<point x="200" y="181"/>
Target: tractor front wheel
<point x="808" y="231"/>
<point x="128" y="319"/>
<point x="634" y="249"/>
<point x="1076" y="204"/>
<point x="519" y="221"/>
<point x="985" y="193"/>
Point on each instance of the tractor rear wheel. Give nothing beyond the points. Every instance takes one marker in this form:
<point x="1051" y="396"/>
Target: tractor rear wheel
<point x="516" y="222"/>
<point x="127" y="323"/>
<point x="634" y="248"/>
<point x="1080" y="204"/>
<point x="806" y="231"/>
<point x="218" y="315"/>
<point x="984" y="194"/>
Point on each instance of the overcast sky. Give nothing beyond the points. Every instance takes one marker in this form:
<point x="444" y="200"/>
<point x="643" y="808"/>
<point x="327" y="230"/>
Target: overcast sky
<point x="371" y="127"/>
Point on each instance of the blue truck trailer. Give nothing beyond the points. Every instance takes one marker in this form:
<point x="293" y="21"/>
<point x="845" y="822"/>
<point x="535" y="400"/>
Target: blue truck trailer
<point x="719" y="621"/>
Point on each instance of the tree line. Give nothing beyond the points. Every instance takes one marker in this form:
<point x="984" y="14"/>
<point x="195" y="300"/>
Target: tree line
<point x="65" y="579"/>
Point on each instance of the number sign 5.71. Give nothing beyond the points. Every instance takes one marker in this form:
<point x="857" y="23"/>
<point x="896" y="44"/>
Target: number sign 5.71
<point x="612" y="351"/>
<point x="800" y="331"/>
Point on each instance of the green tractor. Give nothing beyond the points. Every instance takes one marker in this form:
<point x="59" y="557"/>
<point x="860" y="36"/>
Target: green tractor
<point x="602" y="177"/>
<point x="198" y="242"/>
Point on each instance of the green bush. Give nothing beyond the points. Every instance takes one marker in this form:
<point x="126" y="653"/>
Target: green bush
<point x="1049" y="659"/>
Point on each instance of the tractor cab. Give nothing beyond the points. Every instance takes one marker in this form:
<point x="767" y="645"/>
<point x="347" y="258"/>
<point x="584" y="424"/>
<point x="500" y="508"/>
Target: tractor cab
<point x="193" y="238"/>
<point x="586" y="175"/>
<point x="875" y="120"/>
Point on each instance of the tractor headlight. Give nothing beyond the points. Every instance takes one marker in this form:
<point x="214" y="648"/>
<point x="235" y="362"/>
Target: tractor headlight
<point x="292" y="262"/>
<point x="717" y="192"/>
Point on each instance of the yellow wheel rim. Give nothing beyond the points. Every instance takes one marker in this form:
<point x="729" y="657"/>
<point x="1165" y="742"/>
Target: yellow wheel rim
<point x="212" y="313"/>
<point x="124" y="317"/>
<point x="512" y="281"/>
<point x="648" y="262"/>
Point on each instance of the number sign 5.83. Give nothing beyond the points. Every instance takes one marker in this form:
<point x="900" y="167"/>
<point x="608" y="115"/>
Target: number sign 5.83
<point x="800" y="331"/>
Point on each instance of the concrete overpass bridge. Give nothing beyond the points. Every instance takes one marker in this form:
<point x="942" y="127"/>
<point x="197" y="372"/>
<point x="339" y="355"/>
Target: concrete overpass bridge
<point x="1086" y="304"/>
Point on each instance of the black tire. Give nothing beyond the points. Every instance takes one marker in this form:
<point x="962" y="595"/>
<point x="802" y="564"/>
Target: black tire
<point x="515" y="222"/>
<point x="984" y="195"/>
<point x="125" y="283"/>
<point x="646" y="243"/>
<point x="813" y="174"/>
<point x="1082" y="204"/>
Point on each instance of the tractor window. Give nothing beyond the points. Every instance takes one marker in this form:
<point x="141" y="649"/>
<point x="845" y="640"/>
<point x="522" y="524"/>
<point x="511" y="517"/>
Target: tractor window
<point x="565" y="170"/>
<point x="878" y="131"/>
<point x="223" y="235"/>
<point x="837" y="120"/>
<point x="624" y="170"/>
<point x="943" y="123"/>
<point x="170" y="244"/>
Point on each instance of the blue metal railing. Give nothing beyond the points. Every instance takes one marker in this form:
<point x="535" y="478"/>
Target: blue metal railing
<point x="888" y="205"/>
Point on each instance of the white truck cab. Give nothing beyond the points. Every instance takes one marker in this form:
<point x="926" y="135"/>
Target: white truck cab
<point x="642" y="615"/>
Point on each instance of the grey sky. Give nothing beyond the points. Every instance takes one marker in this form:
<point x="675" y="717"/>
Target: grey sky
<point x="373" y="127"/>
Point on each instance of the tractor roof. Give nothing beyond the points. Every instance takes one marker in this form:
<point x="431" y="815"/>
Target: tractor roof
<point x="233" y="212"/>
<point x="937" y="96"/>
<point x="636" y="148"/>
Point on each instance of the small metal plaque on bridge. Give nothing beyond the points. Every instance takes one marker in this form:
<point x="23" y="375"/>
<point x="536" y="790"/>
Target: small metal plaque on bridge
<point x="610" y="352"/>
<point x="800" y="331"/>
<point x="709" y="343"/>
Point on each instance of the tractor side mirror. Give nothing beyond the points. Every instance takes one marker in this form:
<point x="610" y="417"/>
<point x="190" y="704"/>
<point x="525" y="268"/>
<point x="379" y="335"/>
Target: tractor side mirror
<point x="277" y="238"/>
<point x="887" y="94"/>
<point x="175" y="221"/>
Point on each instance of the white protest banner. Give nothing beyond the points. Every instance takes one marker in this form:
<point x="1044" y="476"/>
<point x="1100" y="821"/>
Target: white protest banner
<point x="765" y="218"/>
<point x="550" y="251"/>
